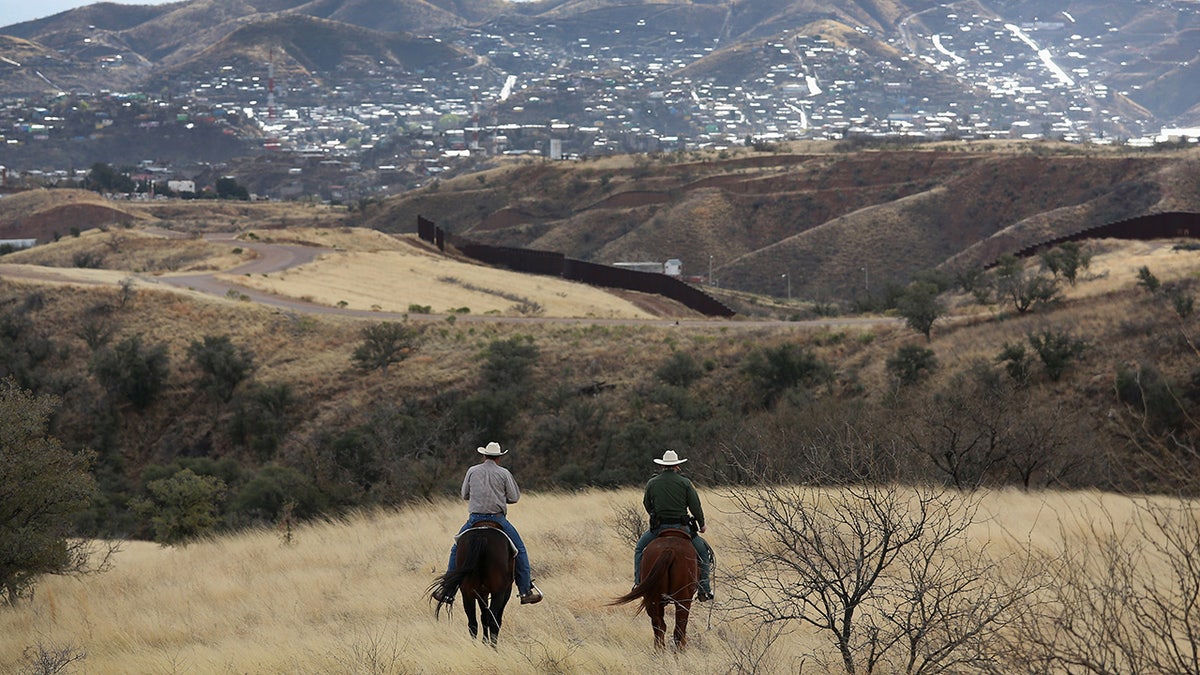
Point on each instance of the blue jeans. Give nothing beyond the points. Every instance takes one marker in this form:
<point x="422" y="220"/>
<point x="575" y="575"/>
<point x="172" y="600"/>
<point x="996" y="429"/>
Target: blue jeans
<point x="524" y="582"/>
<point x="704" y="557"/>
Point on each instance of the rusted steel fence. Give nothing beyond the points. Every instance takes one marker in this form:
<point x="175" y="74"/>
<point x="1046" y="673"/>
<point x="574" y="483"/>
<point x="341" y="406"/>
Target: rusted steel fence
<point x="1167" y="225"/>
<point x="556" y="264"/>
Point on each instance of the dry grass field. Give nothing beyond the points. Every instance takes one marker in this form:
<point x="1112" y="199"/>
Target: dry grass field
<point x="359" y="269"/>
<point x="370" y="270"/>
<point x="349" y="596"/>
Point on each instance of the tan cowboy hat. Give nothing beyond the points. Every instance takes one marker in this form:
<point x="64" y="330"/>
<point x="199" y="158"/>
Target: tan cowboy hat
<point x="492" y="450"/>
<point x="669" y="458"/>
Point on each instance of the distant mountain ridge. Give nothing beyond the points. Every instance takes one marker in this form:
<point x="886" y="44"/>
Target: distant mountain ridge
<point x="1155" y="54"/>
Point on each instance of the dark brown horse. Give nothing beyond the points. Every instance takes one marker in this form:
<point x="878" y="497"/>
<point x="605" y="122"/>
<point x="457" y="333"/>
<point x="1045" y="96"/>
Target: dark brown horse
<point x="484" y="564"/>
<point x="670" y="574"/>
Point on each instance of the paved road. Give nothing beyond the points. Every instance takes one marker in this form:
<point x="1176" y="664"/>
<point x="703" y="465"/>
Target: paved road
<point x="278" y="257"/>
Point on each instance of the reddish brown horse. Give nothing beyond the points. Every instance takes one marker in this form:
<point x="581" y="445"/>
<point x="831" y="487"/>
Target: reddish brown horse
<point x="484" y="564"/>
<point x="669" y="576"/>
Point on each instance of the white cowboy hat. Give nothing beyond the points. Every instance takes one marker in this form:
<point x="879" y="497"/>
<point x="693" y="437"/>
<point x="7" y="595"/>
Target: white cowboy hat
<point x="492" y="450"/>
<point x="669" y="458"/>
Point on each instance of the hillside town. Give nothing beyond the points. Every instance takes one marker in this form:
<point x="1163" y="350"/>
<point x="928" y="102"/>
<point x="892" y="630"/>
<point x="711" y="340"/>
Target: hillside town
<point x="549" y="95"/>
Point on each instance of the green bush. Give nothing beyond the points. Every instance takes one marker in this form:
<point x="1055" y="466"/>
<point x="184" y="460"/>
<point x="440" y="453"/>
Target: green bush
<point x="132" y="371"/>
<point x="1016" y="361"/>
<point x="1150" y="393"/>
<point x="42" y="487"/>
<point x="509" y="363"/>
<point x="775" y="370"/>
<point x="265" y="497"/>
<point x="920" y="307"/>
<point x="486" y="415"/>
<point x="679" y="370"/>
<point x="222" y="364"/>
<point x="911" y="363"/>
<point x="1057" y="350"/>
<point x="182" y="508"/>
<point x="384" y="344"/>
<point x="1147" y="280"/>
<point x="260" y="418"/>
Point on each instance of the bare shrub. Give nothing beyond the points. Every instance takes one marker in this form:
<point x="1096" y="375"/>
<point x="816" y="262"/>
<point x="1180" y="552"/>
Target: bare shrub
<point x="43" y="659"/>
<point x="375" y="652"/>
<point x="628" y="523"/>
<point x="752" y="652"/>
<point x="1123" y="599"/>
<point x="981" y="429"/>
<point x="887" y="574"/>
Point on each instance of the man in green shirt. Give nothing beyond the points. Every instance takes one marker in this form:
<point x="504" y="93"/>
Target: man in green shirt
<point x="668" y="499"/>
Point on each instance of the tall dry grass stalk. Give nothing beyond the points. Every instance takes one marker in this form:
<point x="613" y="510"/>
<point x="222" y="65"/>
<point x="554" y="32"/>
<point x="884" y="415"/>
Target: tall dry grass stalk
<point x="348" y="596"/>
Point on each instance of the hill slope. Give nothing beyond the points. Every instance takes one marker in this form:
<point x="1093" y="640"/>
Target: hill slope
<point x="824" y="217"/>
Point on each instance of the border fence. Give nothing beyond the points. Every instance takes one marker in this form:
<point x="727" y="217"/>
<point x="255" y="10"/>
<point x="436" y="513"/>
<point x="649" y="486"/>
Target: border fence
<point x="1166" y="225"/>
<point x="552" y="263"/>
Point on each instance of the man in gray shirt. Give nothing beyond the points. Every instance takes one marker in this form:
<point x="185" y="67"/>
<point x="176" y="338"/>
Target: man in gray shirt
<point x="488" y="489"/>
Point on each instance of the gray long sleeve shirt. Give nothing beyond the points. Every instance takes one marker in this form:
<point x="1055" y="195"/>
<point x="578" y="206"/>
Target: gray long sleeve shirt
<point x="489" y="488"/>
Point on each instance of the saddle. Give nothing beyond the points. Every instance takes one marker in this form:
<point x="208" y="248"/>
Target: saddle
<point x="674" y="532"/>
<point x="490" y="525"/>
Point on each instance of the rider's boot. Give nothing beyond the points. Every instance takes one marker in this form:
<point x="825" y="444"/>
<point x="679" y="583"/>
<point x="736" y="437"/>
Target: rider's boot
<point x="533" y="597"/>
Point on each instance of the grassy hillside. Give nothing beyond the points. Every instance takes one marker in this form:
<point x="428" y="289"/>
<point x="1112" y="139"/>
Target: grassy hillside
<point x="1092" y="390"/>
<point x="615" y="391"/>
<point x="349" y="595"/>
<point x="821" y="214"/>
<point x="1072" y="401"/>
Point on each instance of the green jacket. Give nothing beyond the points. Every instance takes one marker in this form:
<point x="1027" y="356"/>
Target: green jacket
<point x="670" y="495"/>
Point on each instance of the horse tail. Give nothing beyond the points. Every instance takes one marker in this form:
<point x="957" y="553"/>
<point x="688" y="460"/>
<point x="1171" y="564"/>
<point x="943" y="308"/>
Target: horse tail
<point x="471" y="564"/>
<point x="653" y="582"/>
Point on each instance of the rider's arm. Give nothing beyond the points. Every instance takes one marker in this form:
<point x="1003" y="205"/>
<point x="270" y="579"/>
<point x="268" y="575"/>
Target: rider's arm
<point x="511" y="492"/>
<point x="465" y="492"/>
<point x="694" y="506"/>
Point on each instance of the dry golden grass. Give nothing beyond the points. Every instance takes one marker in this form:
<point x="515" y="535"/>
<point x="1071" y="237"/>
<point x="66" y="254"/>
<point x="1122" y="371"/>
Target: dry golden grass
<point x="1098" y="309"/>
<point x="366" y="270"/>
<point x="1115" y="265"/>
<point x="340" y="238"/>
<point x="227" y="215"/>
<point x="27" y="203"/>
<point x="131" y="250"/>
<point x="349" y="596"/>
<point x="374" y="271"/>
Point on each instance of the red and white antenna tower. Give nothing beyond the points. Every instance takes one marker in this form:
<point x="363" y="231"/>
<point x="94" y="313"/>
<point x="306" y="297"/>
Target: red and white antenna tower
<point x="271" y="87"/>
<point x="475" y="115"/>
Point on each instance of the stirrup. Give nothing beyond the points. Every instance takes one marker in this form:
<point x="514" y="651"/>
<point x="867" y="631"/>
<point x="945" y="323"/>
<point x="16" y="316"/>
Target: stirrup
<point x="704" y="596"/>
<point x="444" y="597"/>
<point x="533" y="597"/>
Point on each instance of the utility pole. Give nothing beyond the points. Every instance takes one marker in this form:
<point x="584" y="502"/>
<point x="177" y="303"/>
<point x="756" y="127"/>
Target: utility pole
<point x="785" y="275"/>
<point x="710" y="281"/>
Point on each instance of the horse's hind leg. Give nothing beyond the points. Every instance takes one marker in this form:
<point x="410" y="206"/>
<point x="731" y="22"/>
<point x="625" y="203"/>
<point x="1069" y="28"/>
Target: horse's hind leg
<point x="682" y="611"/>
<point x="493" y="619"/>
<point x="472" y="619"/>
<point x="490" y="627"/>
<point x="657" y="612"/>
